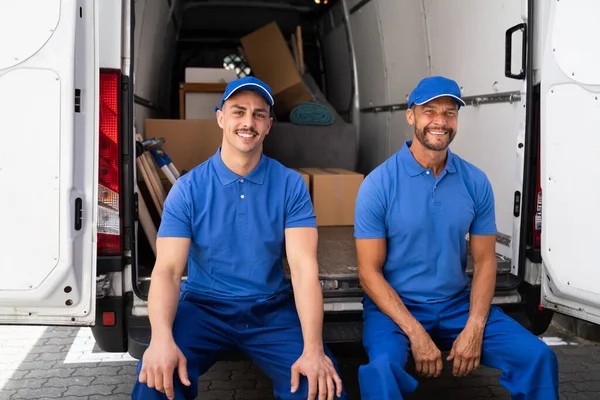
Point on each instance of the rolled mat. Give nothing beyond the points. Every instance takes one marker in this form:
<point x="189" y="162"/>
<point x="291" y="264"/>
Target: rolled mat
<point x="311" y="113"/>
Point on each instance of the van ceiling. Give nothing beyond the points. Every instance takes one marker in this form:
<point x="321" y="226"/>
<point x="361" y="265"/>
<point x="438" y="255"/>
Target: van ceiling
<point x="215" y="20"/>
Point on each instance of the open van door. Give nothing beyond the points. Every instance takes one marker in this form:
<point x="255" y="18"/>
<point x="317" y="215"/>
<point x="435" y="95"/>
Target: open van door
<point x="570" y="159"/>
<point x="48" y="161"/>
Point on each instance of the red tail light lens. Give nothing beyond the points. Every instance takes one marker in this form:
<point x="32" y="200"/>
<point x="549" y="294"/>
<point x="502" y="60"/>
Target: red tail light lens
<point x="109" y="180"/>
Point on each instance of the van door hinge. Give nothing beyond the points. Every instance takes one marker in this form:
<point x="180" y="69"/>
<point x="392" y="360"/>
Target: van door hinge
<point x="77" y="100"/>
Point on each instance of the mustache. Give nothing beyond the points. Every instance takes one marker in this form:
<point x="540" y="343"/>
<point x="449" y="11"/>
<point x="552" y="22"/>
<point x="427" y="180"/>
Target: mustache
<point x="252" y="130"/>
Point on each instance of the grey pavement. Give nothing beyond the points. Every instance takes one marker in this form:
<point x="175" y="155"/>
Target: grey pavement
<point x="58" y="362"/>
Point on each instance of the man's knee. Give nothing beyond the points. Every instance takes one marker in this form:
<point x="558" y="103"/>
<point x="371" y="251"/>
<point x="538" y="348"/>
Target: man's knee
<point x="383" y="363"/>
<point x="383" y="359"/>
<point x="384" y="377"/>
<point x="544" y="355"/>
<point x="534" y="357"/>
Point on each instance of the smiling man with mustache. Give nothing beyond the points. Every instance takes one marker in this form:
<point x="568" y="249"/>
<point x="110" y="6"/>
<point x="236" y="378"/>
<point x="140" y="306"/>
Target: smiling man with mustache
<point x="228" y="220"/>
<point x="413" y="213"/>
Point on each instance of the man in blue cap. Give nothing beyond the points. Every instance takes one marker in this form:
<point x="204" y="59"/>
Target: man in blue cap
<point x="227" y="220"/>
<point x="413" y="213"/>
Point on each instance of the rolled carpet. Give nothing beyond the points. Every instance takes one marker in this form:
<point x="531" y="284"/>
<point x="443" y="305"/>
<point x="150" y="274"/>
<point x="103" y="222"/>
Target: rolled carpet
<point x="311" y="113"/>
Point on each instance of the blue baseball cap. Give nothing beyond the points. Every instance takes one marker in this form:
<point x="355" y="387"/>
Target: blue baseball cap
<point x="433" y="87"/>
<point x="247" y="83"/>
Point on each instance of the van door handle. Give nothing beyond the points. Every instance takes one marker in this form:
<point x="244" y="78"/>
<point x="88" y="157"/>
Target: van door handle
<point x="508" y="52"/>
<point x="78" y="213"/>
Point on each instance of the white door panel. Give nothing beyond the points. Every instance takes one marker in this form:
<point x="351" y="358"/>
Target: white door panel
<point x="493" y="147"/>
<point x="31" y="214"/>
<point x="577" y="54"/>
<point x="48" y="162"/>
<point x="570" y="172"/>
<point x="24" y="32"/>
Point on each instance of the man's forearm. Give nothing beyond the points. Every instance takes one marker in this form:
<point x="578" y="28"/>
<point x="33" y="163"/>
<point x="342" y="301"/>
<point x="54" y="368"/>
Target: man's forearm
<point x="482" y="293"/>
<point x="388" y="301"/>
<point x="309" y="303"/>
<point x="162" y="303"/>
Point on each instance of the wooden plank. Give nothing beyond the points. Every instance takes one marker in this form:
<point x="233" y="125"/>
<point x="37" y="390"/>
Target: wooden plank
<point x="155" y="177"/>
<point x="209" y="87"/>
<point x="146" y="166"/>
<point x="300" y="48"/>
<point x="146" y="176"/>
<point x="147" y="223"/>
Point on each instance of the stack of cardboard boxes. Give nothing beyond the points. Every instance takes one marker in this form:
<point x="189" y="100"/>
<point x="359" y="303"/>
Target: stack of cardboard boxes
<point x="196" y="136"/>
<point x="333" y="192"/>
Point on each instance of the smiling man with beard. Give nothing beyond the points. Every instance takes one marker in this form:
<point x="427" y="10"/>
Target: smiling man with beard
<point x="412" y="216"/>
<point x="228" y="220"/>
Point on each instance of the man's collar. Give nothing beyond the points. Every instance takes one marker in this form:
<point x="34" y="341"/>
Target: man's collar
<point x="414" y="168"/>
<point x="227" y="176"/>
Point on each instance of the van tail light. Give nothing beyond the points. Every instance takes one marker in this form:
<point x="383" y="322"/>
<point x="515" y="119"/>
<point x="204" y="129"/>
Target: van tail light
<point x="109" y="176"/>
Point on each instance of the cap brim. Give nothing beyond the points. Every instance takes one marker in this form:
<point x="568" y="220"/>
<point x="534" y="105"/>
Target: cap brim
<point x="256" y="87"/>
<point x="458" y="99"/>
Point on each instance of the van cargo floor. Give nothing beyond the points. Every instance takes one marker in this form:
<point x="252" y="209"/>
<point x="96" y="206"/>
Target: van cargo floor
<point x="337" y="255"/>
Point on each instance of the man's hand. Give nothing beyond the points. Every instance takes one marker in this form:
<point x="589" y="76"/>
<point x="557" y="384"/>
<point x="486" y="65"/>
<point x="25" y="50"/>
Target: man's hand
<point x="159" y="362"/>
<point x="321" y="375"/>
<point x="466" y="350"/>
<point x="428" y="358"/>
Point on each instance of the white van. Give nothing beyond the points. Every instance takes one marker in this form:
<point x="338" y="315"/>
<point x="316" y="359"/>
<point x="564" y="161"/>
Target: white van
<point x="76" y="77"/>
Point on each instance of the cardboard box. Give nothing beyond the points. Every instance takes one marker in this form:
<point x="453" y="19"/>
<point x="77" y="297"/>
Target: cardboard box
<point x="188" y="142"/>
<point x="305" y="176"/>
<point x="272" y="62"/>
<point x="334" y="193"/>
<point x="198" y="100"/>
<point x="205" y="75"/>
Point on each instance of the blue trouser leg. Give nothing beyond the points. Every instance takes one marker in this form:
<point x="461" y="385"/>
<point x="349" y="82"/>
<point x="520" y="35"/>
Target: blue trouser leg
<point x="530" y="367"/>
<point x="201" y="333"/>
<point x="385" y="377"/>
<point x="273" y="340"/>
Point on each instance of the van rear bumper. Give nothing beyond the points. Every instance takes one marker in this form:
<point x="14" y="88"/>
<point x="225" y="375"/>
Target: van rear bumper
<point x="342" y="333"/>
<point x="342" y="327"/>
<point x="111" y="338"/>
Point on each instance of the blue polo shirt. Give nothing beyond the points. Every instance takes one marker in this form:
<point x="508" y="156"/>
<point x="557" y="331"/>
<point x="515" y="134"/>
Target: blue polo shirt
<point x="425" y="221"/>
<point x="236" y="225"/>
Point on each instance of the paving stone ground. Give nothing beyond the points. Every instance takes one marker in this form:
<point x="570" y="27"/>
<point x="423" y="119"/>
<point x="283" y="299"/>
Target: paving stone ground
<point x="57" y="362"/>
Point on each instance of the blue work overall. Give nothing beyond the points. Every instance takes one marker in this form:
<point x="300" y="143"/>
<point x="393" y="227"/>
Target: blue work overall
<point x="236" y="294"/>
<point x="425" y="220"/>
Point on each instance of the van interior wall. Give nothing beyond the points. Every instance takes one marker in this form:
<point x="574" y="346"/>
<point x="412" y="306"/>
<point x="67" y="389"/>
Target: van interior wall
<point x="153" y="53"/>
<point x="337" y="61"/>
<point x="399" y="42"/>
